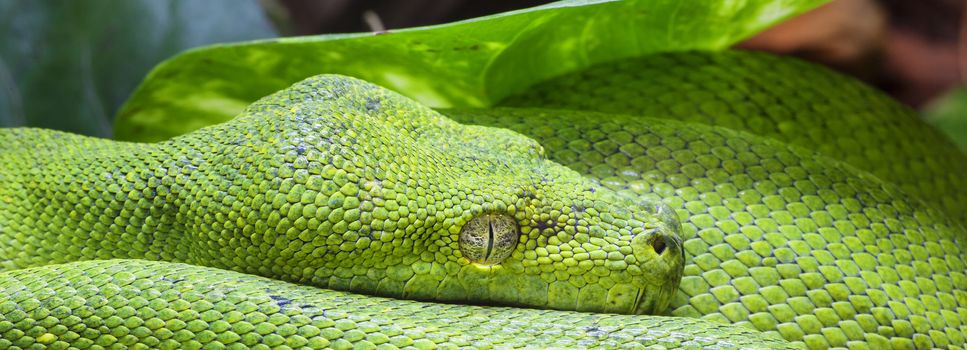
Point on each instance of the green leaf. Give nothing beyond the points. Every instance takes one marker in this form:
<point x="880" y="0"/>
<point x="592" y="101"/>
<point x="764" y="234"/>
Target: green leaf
<point x="464" y="64"/>
<point x="69" y="65"/>
<point x="949" y="114"/>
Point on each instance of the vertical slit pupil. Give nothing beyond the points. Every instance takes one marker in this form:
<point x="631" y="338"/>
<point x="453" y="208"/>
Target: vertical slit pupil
<point x="490" y="239"/>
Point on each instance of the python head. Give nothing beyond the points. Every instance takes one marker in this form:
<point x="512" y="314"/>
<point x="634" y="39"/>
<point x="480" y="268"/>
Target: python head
<point x="360" y="189"/>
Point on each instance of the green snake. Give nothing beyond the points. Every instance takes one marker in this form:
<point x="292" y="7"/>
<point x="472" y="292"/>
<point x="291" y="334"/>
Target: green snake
<point x="682" y="200"/>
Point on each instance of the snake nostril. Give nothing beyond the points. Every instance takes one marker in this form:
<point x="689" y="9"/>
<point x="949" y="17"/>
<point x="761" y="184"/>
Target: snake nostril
<point x="658" y="245"/>
<point x="654" y="245"/>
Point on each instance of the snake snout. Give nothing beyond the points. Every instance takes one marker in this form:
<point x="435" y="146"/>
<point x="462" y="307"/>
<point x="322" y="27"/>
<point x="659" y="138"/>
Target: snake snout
<point x="664" y="244"/>
<point x="659" y="244"/>
<point x="661" y="238"/>
<point x="658" y="251"/>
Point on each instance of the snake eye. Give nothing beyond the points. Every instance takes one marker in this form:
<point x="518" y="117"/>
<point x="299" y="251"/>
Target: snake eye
<point x="489" y="239"/>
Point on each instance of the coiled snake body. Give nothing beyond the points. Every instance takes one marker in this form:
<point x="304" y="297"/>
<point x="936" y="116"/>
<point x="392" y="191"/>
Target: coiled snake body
<point x="765" y="205"/>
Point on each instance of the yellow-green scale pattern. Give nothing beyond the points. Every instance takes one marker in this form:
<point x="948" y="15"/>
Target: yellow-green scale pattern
<point x="340" y="184"/>
<point x="777" y="237"/>
<point x="136" y="304"/>
<point x="779" y="97"/>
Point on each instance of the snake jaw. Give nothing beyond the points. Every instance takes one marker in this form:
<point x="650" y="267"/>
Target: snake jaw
<point x="658" y="250"/>
<point x="652" y="301"/>
<point x="636" y="308"/>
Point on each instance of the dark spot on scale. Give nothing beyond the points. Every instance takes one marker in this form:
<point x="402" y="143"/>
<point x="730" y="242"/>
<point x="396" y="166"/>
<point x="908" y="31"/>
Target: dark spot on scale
<point x="173" y="281"/>
<point x="280" y="300"/>
<point x="525" y="193"/>
<point x="595" y="332"/>
<point x="372" y="104"/>
<point x="577" y="208"/>
<point x="300" y="149"/>
<point x="578" y="213"/>
<point x="592" y="189"/>
<point x="365" y="231"/>
<point x="543" y="225"/>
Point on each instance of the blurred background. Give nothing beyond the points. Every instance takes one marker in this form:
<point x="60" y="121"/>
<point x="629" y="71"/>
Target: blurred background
<point x="69" y="65"/>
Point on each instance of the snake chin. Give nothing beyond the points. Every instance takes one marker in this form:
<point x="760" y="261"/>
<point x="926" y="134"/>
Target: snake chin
<point x="636" y="308"/>
<point x="652" y="301"/>
<point x="663" y="254"/>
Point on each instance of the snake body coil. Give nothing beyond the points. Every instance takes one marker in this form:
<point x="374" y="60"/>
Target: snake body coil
<point x="783" y="226"/>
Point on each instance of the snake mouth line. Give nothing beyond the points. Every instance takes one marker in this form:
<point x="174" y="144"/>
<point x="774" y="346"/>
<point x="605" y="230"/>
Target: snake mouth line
<point x="636" y="307"/>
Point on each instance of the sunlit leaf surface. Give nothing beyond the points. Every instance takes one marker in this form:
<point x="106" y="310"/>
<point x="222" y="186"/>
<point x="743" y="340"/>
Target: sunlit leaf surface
<point x="463" y="64"/>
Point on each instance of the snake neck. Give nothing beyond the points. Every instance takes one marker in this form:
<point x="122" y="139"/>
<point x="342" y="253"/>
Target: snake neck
<point x="122" y="203"/>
